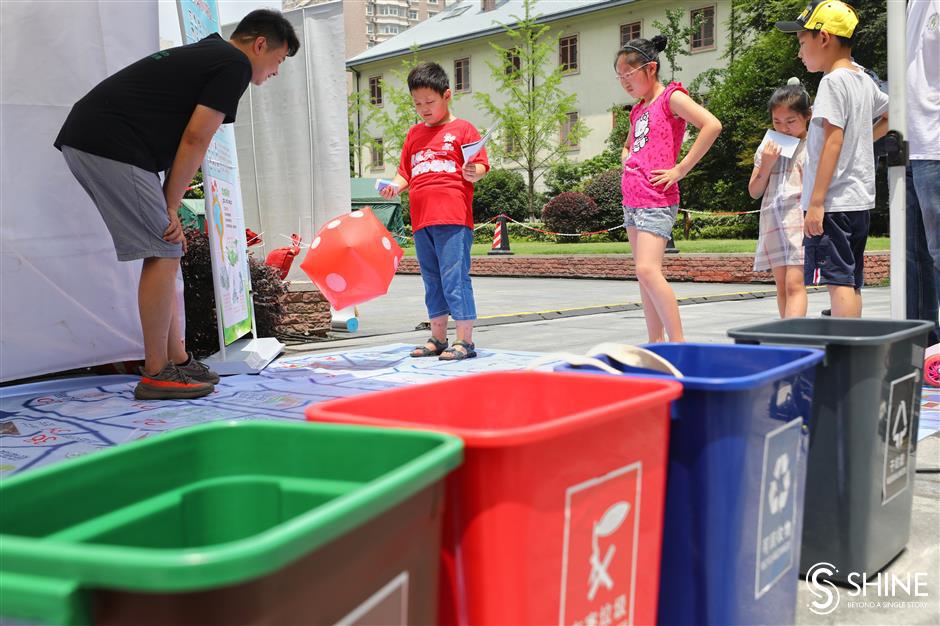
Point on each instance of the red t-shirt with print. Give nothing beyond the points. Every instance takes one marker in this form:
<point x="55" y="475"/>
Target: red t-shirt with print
<point x="431" y="162"/>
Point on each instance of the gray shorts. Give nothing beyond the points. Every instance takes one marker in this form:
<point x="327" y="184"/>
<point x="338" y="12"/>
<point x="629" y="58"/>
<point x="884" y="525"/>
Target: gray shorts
<point x="130" y="201"/>
<point x="658" y="221"/>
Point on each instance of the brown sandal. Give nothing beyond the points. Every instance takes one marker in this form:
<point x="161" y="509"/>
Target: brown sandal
<point x="424" y="351"/>
<point x="453" y="354"/>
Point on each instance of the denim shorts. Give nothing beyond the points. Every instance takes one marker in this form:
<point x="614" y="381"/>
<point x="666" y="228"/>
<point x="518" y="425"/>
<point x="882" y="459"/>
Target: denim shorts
<point x="443" y="253"/>
<point x="658" y="221"/>
<point x="837" y="257"/>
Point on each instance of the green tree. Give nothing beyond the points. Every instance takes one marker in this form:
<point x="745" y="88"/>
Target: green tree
<point x="568" y="176"/>
<point x="353" y="113"/>
<point x="534" y="106"/>
<point x="764" y="58"/>
<point x="678" y="37"/>
<point x="396" y="115"/>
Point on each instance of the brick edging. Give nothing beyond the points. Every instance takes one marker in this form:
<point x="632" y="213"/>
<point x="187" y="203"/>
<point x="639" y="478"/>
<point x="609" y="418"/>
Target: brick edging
<point x="706" y="268"/>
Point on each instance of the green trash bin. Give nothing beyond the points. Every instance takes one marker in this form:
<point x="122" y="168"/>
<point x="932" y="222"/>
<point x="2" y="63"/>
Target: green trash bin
<point x="863" y="437"/>
<point x="231" y="523"/>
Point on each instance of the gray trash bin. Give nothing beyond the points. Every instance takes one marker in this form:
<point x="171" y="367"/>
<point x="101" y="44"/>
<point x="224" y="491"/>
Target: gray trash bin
<point x="863" y="436"/>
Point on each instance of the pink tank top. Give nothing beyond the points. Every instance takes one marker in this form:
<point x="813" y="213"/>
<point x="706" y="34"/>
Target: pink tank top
<point x="655" y="138"/>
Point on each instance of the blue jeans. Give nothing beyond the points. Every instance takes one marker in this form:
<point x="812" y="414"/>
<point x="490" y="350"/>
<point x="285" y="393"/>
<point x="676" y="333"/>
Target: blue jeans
<point x="923" y="243"/>
<point x="444" y="257"/>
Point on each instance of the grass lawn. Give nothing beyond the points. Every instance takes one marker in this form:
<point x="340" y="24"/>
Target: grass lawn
<point x="698" y="245"/>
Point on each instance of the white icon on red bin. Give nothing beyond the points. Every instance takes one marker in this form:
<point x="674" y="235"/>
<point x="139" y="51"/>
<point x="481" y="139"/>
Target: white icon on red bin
<point x="610" y="521"/>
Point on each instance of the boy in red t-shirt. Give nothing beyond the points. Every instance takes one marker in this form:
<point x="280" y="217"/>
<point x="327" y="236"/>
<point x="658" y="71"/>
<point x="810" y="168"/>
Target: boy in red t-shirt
<point x="441" y="200"/>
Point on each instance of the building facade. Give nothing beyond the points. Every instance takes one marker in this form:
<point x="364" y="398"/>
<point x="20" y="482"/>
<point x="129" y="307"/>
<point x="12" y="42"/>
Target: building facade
<point x="371" y="22"/>
<point x="588" y="34"/>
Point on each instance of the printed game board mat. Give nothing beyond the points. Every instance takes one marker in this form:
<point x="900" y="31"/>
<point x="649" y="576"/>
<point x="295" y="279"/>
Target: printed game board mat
<point x="46" y="422"/>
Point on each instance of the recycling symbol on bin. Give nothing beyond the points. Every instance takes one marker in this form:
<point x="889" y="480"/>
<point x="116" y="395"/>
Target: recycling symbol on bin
<point x="607" y="525"/>
<point x="780" y="485"/>
<point x="899" y="432"/>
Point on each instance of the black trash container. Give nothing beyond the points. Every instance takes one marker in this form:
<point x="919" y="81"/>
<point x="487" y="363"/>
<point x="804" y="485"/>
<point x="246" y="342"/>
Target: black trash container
<point x="863" y="436"/>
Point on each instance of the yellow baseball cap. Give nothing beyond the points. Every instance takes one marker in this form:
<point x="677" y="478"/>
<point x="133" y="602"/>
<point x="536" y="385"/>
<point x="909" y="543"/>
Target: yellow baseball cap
<point x="832" y="16"/>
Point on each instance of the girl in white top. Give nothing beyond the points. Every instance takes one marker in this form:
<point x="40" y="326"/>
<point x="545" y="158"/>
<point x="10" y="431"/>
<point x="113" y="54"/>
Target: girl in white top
<point x="780" y="181"/>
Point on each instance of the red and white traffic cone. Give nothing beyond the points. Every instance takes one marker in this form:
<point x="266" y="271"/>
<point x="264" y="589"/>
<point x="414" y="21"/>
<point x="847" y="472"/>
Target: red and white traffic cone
<point x="500" y="237"/>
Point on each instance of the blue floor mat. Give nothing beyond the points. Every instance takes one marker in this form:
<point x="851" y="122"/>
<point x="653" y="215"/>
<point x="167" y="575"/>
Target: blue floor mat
<point x="43" y="423"/>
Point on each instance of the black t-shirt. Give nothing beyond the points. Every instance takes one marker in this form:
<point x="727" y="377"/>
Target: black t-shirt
<point x="138" y="115"/>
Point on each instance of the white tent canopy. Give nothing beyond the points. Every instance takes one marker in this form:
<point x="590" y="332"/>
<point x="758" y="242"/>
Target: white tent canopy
<point x="292" y="138"/>
<point x="66" y="300"/>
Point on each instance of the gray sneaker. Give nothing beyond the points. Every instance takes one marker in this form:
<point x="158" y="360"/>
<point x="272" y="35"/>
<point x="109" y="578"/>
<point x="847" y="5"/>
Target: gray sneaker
<point x="199" y="371"/>
<point x="170" y="384"/>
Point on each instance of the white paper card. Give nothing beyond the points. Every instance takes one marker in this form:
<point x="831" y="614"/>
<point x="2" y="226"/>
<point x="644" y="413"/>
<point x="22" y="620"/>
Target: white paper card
<point x="787" y="143"/>
<point x="470" y="150"/>
<point x="381" y="183"/>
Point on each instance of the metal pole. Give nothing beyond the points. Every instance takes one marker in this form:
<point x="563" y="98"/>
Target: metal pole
<point x="897" y="116"/>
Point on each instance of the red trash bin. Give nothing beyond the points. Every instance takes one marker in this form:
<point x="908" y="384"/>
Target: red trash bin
<point x="556" y="515"/>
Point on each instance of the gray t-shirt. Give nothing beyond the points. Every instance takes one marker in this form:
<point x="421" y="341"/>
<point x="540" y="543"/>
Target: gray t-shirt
<point x="851" y="100"/>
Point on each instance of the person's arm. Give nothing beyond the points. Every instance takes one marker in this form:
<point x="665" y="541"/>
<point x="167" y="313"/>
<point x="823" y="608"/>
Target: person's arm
<point x="833" y="137"/>
<point x="473" y="172"/>
<point x="399" y="184"/>
<point x="709" y="129"/>
<point x="625" y="152"/>
<point x="880" y="129"/>
<point x="189" y="155"/>
<point x="760" y="175"/>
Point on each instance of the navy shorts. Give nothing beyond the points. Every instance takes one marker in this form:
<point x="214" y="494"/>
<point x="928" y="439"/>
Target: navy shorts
<point x="837" y="257"/>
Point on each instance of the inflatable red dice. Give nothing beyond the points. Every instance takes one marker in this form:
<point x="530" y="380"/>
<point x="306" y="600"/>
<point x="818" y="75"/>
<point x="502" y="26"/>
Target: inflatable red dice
<point x="352" y="259"/>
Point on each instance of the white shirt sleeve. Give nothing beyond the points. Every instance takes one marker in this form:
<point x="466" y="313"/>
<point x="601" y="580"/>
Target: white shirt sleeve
<point x="880" y="103"/>
<point x="832" y="100"/>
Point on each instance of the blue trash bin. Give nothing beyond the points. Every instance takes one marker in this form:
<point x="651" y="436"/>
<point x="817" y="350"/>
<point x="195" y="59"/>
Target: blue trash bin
<point x="736" y="482"/>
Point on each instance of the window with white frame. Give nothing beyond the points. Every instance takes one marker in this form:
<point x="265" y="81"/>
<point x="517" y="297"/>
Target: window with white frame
<point x="571" y="120"/>
<point x="568" y="54"/>
<point x="375" y="90"/>
<point x="510" y="143"/>
<point x="412" y="15"/>
<point x="628" y="32"/>
<point x="378" y="153"/>
<point x="704" y="37"/>
<point x="462" y="75"/>
<point x="513" y="63"/>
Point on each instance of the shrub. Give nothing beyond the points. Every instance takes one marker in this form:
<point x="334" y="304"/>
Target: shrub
<point x="719" y="226"/>
<point x="570" y="212"/>
<point x="562" y="177"/>
<point x="500" y="191"/>
<point x="202" y="335"/>
<point x="604" y="189"/>
<point x="405" y="208"/>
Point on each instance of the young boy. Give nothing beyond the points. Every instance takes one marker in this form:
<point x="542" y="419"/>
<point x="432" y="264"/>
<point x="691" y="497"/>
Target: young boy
<point x="441" y="204"/>
<point x="839" y="179"/>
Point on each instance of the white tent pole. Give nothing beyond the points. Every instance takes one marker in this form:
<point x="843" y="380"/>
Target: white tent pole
<point x="897" y="114"/>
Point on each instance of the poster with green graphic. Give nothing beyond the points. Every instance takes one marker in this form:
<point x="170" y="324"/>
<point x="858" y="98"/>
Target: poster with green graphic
<point x="225" y="219"/>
